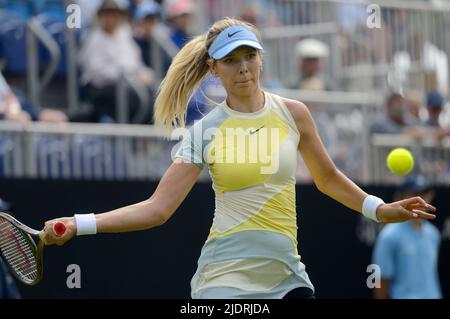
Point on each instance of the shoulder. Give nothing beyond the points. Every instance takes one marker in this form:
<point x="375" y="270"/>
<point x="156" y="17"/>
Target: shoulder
<point x="298" y="110"/>
<point x="213" y="119"/>
<point x="432" y="229"/>
<point x="301" y="116"/>
<point x="389" y="233"/>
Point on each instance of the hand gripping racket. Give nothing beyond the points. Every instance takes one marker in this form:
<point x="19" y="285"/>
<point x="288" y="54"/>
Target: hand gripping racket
<point x="19" y="250"/>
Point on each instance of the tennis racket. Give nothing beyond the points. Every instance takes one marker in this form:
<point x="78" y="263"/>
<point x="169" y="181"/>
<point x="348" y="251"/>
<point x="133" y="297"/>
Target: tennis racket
<point x="19" y="250"/>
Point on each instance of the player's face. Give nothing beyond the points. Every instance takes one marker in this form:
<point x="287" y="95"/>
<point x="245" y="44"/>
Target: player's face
<point x="239" y="71"/>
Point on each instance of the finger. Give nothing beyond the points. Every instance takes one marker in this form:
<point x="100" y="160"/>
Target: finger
<point x="417" y="202"/>
<point x="409" y="214"/>
<point x="50" y="237"/>
<point x="413" y="200"/>
<point x="426" y="206"/>
<point x="424" y="215"/>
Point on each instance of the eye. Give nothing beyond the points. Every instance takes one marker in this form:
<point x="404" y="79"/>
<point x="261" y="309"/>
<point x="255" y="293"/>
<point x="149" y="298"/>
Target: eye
<point x="228" y="60"/>
<point x="251" y="56"/>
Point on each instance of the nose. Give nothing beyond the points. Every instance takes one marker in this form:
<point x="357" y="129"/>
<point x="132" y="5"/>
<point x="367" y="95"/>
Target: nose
<point x="243" y="67"/>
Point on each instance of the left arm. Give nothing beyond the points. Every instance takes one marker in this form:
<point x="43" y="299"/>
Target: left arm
<point x="332" y="182"/>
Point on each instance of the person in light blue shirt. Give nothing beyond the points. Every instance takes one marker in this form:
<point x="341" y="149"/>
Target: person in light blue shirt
<point x="407" y="253"/>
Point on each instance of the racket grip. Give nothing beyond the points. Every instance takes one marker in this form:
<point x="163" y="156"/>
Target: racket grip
<point x="59" y="229"/>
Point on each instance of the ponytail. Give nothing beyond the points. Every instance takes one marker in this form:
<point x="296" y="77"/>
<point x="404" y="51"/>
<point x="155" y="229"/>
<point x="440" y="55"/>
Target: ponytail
<point x="189" y="67"/>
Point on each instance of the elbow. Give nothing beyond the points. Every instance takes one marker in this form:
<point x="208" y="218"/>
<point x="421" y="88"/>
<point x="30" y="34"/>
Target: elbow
<point x="160" y="216"/>
<point x="160" y="219"/>
<point x="155" y="214"/>
<point x="324" y="184"/>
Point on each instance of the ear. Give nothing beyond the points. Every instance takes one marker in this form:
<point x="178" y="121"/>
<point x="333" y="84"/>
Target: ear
<point x="212" y="67"/>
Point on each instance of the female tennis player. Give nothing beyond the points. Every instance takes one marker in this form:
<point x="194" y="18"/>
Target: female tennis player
<point x="250" y="143"/>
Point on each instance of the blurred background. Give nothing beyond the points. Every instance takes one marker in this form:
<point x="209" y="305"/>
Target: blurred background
<point x="77" y="89"/>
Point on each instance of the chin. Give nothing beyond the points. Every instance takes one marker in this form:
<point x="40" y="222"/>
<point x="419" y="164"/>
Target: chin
<point x="246" y="87"/>
<point x="244" y="92"/>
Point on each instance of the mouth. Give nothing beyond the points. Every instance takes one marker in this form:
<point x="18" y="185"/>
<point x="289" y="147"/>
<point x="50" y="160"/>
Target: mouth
<point x="244" y="82"/>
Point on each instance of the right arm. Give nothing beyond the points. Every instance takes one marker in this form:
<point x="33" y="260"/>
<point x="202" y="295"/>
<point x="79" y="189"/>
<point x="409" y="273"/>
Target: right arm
<point x="171" y="191"/>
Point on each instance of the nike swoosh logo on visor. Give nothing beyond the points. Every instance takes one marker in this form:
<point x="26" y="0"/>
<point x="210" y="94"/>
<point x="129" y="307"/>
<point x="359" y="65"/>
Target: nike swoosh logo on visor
<point x="231" y="34"/>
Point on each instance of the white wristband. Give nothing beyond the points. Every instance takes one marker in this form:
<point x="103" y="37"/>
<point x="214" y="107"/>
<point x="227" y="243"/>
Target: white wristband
<point x="370" y="206"/>
<point x="86" y="224"/>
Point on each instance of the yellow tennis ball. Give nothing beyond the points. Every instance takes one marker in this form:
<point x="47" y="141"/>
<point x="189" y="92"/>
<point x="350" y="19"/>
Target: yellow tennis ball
<point x="400" y="161"/>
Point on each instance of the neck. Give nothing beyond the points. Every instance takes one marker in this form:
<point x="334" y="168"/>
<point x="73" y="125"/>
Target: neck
<point x="247" y="104"/>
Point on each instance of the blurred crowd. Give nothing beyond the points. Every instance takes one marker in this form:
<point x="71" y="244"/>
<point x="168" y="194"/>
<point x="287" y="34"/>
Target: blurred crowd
<point x="115" y="44"/>
<point x="133" y="42"/>
<point x="126" y="46"/>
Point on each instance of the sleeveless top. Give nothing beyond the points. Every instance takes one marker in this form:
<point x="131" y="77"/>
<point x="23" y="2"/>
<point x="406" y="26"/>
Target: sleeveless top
<point x="251" y="250"/>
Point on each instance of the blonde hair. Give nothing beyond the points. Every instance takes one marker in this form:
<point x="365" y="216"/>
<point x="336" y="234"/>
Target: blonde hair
<point x="189" y="67"/>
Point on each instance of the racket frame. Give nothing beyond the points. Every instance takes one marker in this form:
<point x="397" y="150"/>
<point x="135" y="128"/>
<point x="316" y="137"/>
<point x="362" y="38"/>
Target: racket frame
<point x="38" y="250"/>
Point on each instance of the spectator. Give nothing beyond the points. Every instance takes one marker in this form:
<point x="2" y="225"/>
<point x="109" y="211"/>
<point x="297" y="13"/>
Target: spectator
<point x="16" y="108"/>
<point x="393" y="121"/>
<point x="179" y="15"/>
<point x="414" y="102"/>
<point x="435" y="104"/>
<point x="310" y="53"/>
<point x="146" y="18"/>
<point x="108" y="54"/>
<point x="407" y="253"/>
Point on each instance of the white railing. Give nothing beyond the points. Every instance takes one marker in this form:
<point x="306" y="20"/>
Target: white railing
<point x="132" y="152"/>
<point x="83" y="151"/>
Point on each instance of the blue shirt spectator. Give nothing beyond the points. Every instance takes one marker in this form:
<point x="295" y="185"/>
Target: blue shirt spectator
<point x="179" y="15"/>
<point x="407" y="253"/>
<point x="435" y="105"/>
<point x="147" y="24"/>
<point x="408" y="257"/>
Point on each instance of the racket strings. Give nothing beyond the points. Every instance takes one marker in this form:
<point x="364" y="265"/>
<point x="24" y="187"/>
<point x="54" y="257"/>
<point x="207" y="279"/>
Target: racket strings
<point x="17" y="251"/>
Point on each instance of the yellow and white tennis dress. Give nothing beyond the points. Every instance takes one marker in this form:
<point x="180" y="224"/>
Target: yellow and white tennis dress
<point x="251" y="251"/>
